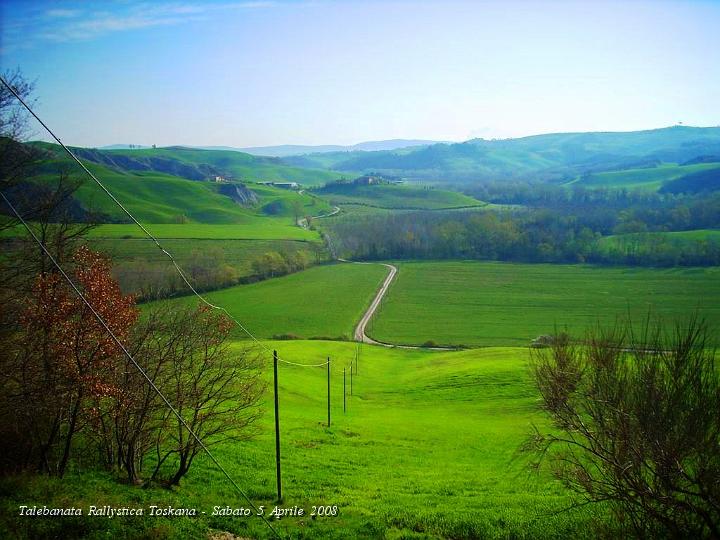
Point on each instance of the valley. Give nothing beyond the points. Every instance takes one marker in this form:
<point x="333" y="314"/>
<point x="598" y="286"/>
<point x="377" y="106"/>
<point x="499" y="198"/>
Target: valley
<point x="428" y="440"/>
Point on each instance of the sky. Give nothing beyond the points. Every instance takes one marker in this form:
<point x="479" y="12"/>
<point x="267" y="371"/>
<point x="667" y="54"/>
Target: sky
<point x="254" y="73"/>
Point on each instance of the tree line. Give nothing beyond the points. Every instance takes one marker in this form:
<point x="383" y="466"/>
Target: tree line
<point x="568" y="232"/>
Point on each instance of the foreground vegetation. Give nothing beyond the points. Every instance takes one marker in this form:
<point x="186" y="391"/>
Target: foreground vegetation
<point x="397" y="465"/>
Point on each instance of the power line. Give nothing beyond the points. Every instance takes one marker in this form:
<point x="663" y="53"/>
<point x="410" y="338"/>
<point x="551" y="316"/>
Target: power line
<point x="132" y="360"/>
<point x="148" y="234"/>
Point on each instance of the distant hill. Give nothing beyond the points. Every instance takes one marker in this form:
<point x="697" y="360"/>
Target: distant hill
<point x="369" y="146"/>
<point x="696" y="182"/>
<point x="155" y="196"/>
<point x="197" y="164"/>
<point x="123" y="147"/>
<point x="558" y="157"/>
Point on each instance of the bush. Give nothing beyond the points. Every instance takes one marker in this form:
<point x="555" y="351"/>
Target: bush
<point x="283" y="337"/>
<point x="639" y="426"/>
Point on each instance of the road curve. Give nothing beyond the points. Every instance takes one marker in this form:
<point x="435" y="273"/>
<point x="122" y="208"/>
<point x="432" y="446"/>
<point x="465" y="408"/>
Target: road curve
<point x="302" y="222"/>
<point x="360" y="334"/>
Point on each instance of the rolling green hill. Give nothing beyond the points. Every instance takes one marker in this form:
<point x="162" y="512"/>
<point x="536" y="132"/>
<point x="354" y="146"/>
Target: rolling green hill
<point x="156" y="197"/>
<point x="427" y="449"/>
<point x="704" y="180"/>
<point x="652" y="178"/>
<point x="401" y="197"/>
<point x="559" y="157"/>
<point x="197" y="164"/>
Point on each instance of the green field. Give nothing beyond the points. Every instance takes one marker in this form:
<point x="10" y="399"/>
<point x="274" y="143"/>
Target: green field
<point x="257" y="229"/>
<point x="324" y="301"/>
<point x="398" y="197"/>
<point x="491" y="304"/>
<point x="427" y="449"/>
<point x="651" y="178"/>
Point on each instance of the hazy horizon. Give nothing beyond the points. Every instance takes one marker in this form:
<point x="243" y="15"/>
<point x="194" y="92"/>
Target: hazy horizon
<point x="200" y="145"/>
<point x="264" y="73"/>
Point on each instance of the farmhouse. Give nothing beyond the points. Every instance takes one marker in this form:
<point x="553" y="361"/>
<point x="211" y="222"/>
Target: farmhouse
<point x="366" y="180"/>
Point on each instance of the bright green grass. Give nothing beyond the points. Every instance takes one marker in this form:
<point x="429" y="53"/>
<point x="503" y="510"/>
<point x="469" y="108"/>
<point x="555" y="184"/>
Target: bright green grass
<point x="324" y="301"/>
<point x="257" y="229"/>
<point x="488" y="304"/>
<point x="161" y="198"/>
<point x="281" y="202"/>
<point x="650" y="178"/>
<point x="427" y="449"/>
<point x="240" y="165"/>
<point x="400" y="197"/>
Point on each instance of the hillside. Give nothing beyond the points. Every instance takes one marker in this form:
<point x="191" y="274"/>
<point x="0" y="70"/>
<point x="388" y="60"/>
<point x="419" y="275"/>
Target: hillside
<point x="669" y="177"/>
<point x="396" y="197"/>
<point x="157" y="197"/>
<point x="286" y="150"/>
<point x="559" y="157"/>
<point x="197" y="164"/>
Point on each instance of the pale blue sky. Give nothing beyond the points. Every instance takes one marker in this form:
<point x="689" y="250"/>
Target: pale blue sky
<point x="314" y="72"/>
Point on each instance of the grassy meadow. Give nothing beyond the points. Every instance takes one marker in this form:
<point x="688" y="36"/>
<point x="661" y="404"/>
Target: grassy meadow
<point x="323" y="301"/>
<point x="491" y="304"/>
<point x="428" y="449"/>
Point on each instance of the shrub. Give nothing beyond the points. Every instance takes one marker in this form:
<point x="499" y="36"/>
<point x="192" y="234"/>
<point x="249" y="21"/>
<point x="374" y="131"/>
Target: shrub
<point x="638" y="425"/>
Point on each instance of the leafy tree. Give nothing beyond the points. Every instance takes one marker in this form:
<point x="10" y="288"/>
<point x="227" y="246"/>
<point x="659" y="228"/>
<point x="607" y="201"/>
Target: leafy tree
<point x="61" y="361"/>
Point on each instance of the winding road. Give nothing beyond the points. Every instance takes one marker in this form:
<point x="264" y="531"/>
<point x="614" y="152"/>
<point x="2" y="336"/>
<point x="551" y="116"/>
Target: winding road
<point x="360" y="334"/>
<point x="360" y="330"/>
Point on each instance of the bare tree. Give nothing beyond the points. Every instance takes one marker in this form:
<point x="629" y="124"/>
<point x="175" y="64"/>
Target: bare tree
<point x="14" y="118"/>
<point x="216" y="392"/>
<point x="639" y="426"/>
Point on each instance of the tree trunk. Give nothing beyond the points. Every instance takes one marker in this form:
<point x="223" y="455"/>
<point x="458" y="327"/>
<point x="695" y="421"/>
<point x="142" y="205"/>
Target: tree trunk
<point x="69" y="436"/>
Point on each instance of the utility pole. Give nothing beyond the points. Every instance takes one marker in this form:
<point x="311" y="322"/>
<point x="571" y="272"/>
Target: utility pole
<point x="328" y="389"/>
<point x="277" y="430"/>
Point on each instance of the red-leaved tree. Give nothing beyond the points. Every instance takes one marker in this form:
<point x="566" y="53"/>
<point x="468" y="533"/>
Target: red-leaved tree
<point x="69" y="356"/>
